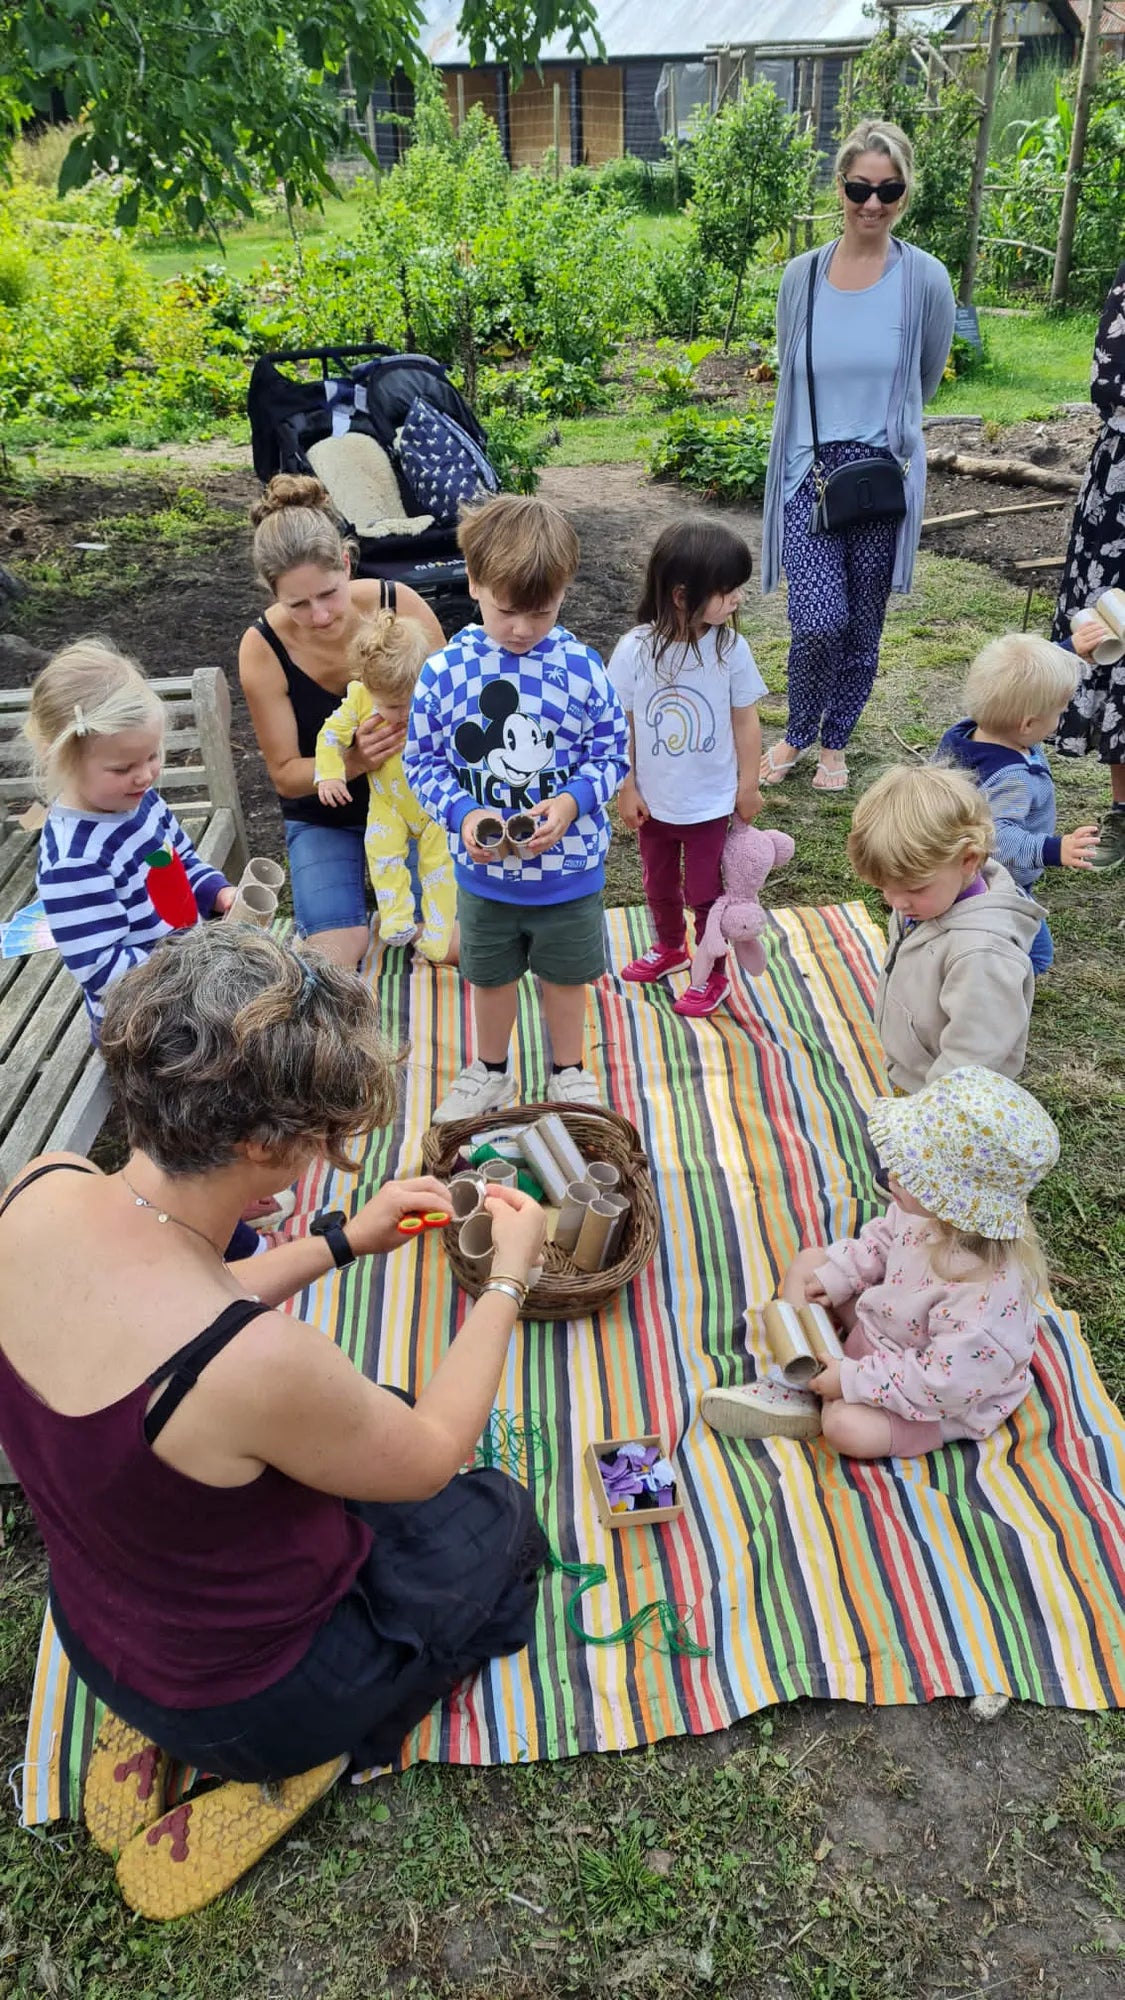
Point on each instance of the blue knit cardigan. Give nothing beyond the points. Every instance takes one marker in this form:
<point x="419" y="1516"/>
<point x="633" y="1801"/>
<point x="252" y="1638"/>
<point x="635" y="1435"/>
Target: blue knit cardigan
<point x="927" y="330"/>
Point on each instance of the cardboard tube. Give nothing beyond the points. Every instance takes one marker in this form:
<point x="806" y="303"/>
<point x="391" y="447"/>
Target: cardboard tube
<point x="466" y="1192"/>
<point x="490" y="836"/>
<point x="502" y="1173"/>
<point x="544" y="1165"/>
<point x="253" y="905"/>
<point x="1108" y="651"/>
<point x="1110" y="608"/>
<point x="789" y="1344"/>
<point x="267" y="874"/>
<point x="520" y="830"/>
<point x="475" y="1245"/>
<point x="572" y="1213"/>
<point x="604" y="1175"/>
<point x="589" y="1252"/>
<point x="821" y="1334"/>
<point x="553" y="1130"/>
<point x="621" y="1205"/>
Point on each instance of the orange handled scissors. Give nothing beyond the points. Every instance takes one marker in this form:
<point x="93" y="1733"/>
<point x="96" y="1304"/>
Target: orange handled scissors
<point x="413" y="1225"/>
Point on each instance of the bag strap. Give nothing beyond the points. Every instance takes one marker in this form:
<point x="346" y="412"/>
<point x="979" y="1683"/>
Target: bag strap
<point x="813" y="269"/>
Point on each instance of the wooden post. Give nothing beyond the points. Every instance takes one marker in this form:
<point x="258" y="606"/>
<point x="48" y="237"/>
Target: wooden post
<point x="674" y="122"/>
<point x="556" y="125"/>
<point x="460" y="99"/>
<point x="980" y="163"/>
<point x="1087" y="77"/>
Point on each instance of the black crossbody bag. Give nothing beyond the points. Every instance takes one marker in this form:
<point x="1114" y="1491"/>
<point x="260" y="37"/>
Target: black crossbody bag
<point x="870" y="489"/>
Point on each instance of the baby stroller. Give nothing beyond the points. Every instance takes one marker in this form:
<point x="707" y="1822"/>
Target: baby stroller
<point x="397" y="448"/>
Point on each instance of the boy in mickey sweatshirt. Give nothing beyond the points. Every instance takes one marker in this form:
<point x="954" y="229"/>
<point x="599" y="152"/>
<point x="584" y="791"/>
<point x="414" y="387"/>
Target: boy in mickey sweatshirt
<point x="516" y="716"/>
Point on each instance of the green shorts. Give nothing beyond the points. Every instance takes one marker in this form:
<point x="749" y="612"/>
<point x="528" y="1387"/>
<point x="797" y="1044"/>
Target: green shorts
<point x="563" y="942"/>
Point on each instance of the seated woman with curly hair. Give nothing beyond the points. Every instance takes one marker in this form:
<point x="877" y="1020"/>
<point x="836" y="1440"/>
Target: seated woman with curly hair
<point x="261" y="1562"/>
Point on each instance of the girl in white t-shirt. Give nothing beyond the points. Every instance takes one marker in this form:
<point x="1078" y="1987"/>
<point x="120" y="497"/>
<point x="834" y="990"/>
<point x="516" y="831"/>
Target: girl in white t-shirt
<point x="688" y="683"/>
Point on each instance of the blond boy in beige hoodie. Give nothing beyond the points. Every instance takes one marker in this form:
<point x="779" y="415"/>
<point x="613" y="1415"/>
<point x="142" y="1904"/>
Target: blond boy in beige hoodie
<point x="957" y="983"/>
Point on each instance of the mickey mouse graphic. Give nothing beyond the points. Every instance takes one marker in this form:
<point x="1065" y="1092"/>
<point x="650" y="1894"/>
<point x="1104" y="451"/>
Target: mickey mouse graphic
<point x="512" y="747"/>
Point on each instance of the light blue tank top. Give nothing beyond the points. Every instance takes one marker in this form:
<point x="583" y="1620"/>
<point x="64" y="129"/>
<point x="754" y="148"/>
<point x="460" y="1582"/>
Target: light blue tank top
<point x="856" y="340"/>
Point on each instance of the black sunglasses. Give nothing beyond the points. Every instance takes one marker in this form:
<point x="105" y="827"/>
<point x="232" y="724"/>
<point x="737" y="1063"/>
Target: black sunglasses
<point x="861" y="191"/>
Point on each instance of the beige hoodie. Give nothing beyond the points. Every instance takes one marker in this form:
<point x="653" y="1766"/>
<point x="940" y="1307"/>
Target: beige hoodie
<point x="958" y="989"/>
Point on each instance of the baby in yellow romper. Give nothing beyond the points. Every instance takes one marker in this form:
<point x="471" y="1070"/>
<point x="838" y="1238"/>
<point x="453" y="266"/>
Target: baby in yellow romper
<point x="385" y="657"/>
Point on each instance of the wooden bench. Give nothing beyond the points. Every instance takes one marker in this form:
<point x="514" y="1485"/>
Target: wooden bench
<point x="53" y="1091"/>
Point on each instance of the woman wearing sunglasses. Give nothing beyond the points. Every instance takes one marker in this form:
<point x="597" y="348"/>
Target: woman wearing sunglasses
<point x="847" y="469"/>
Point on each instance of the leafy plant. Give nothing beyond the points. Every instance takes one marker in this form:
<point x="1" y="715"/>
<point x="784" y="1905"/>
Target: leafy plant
<point x="1023" y="214"/>
<point x="517" y="451"/>
<point x="752" y="167"/>
<point x="724" y="457"/>
<point x="673" y="376"/>
<point x="185" y="102"/>
<point x="564" y="388"/>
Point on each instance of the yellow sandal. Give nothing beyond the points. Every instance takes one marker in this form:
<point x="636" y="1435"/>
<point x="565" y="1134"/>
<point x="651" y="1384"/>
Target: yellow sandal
<point x="202" y="1847"/>
<point x="125" y="1781"/>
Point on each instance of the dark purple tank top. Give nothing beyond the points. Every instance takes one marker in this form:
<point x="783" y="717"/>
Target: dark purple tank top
<point x="191" y="1595"/>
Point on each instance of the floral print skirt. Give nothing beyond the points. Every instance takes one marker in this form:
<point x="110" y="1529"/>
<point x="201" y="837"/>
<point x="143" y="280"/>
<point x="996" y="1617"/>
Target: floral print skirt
<point x="1095" y="561"/>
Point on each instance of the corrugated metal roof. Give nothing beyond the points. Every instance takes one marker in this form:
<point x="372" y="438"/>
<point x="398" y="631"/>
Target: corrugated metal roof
<point x="637" y="28"/>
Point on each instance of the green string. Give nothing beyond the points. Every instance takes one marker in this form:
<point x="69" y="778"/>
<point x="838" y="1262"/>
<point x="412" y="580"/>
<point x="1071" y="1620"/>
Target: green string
<point x="672" y="1622"/>
<point x="516" y="1445"/>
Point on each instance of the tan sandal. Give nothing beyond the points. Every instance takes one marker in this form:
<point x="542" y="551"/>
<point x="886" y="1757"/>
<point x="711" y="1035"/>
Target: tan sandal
<point x="125" y="1783"/>
<point x="830" y="777"/>
<point x="772" y="771"/>
<point x="202" y="1847"/>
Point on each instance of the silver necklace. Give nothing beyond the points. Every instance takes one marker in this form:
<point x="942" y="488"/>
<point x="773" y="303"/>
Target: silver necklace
<point x="162" y="1215"/>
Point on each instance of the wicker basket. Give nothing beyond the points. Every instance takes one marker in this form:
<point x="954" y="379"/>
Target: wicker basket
<point x="564" y="1292"/>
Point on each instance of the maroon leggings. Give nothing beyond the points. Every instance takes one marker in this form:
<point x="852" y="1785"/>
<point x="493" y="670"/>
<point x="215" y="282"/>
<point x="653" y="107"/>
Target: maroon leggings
<point x="681" y="864"/>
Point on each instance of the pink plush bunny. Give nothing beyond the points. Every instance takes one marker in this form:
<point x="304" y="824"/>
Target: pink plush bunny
<point x="737" y="920"/>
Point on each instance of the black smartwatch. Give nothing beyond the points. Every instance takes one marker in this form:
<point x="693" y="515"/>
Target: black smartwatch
<point x="330" y="1224"/>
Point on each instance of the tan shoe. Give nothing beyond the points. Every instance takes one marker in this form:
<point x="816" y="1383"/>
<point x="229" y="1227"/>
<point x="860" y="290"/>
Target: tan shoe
<point x="201" y="1848"/>
<point x="124" y="1788"/>
<point x="761" y="1410"/>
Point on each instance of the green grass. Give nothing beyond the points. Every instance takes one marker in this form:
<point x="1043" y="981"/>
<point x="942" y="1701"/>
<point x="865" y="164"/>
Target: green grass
<point x="254" y="243"/>
<point x="1036" y="360"/>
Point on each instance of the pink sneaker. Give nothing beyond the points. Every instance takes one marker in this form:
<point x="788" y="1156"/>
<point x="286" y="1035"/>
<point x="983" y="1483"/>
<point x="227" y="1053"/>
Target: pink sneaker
<point x="656" y="963"/>
<point x="700" y="1000"/>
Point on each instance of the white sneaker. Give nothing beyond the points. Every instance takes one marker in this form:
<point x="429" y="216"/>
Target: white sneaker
<point x="761" y="1410"/>
<point x="476" y="1090"/>
<point x="573" y="1086"/>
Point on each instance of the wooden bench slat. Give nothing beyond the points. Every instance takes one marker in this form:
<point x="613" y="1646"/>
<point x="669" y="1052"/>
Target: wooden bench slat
<point x="34" y="1052"/>
<point x="23" y="996"/>
<point x="47" y="1103"/>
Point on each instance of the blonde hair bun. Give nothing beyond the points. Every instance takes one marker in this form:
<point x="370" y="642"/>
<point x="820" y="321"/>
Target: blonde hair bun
<point x="290" y="489"/>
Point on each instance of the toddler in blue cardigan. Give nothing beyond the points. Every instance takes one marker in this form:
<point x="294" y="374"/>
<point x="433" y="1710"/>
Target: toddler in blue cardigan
<point x="1016" y="690"/>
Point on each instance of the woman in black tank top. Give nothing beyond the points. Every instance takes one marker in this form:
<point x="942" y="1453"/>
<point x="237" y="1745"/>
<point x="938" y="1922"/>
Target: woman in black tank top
<point x="293" y="665"/>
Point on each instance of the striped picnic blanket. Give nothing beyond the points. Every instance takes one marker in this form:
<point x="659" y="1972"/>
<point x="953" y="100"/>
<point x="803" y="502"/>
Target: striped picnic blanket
<point x="991" y="1568"/>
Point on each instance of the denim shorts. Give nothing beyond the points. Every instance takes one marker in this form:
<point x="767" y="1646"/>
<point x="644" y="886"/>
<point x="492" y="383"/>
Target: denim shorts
<point x="328" y="876"/>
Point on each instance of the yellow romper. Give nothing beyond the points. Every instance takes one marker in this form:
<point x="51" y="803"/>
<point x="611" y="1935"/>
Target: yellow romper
<point x="394" y="817"/>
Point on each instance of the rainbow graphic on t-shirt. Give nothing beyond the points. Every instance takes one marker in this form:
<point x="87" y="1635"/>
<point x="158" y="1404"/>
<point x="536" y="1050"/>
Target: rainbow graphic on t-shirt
<point x="681" y="720"/>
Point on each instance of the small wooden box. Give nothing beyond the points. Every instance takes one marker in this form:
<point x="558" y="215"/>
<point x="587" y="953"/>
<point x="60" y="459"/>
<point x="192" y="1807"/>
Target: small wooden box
<point x="634" y="1517"/>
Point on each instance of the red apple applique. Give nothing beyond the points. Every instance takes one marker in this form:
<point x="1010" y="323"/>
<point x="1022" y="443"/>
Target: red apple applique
<point x="170" y="892"/>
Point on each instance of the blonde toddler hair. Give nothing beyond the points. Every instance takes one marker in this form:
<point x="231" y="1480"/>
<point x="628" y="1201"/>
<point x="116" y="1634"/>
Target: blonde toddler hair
<point x="87" y="689"/>
<point x="521" y="548"/>
<point x="959" y="1253"/>
<point x="387" y="654"/>
<point x="1017" y="677"/>
<point x="914" y="820"/>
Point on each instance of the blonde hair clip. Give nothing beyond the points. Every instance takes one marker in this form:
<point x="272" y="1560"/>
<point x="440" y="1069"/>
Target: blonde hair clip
<point x="81" y="726"/>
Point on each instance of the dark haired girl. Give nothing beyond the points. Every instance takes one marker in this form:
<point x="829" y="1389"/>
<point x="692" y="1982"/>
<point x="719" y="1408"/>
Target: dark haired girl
<point x="688" y="683"/>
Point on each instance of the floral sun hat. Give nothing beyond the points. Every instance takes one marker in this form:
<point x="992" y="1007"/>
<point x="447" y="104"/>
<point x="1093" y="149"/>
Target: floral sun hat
<point x="970" y="1147"/>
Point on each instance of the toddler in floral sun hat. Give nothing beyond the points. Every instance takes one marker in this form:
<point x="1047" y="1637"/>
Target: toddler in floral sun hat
<point x="936" y="1299"/>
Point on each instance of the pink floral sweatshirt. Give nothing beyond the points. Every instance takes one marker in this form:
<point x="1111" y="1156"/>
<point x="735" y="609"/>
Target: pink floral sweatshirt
<point x="954" y="1350"/>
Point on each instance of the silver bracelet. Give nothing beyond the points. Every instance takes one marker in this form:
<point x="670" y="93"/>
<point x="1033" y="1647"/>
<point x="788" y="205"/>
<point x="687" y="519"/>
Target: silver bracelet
<point x="509" y="1291"/>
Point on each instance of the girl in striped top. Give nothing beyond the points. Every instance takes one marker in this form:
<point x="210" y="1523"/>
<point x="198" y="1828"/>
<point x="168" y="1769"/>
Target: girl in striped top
<point x="116" y="870"/>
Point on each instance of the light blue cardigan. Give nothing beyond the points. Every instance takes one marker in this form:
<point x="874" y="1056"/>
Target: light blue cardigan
<point x="927" y="330"/>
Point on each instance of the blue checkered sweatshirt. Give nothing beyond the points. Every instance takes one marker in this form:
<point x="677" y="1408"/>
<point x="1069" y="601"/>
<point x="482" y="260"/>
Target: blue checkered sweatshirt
<point x="92" y="878"/>
<point x="507" y="730"/>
